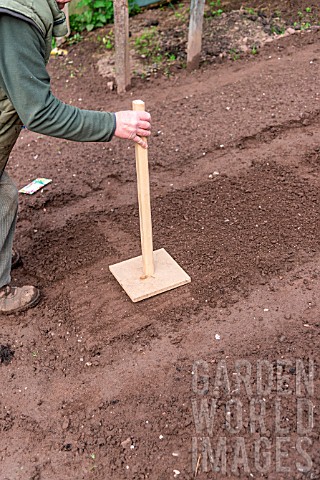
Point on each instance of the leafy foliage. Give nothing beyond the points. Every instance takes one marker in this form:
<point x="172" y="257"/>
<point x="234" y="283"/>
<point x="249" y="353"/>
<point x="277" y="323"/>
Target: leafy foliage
<point x="148" y="45"/>
<point x="215" y="8"/>
<point x="107" y="40"/>
<point x="95" y="14"/>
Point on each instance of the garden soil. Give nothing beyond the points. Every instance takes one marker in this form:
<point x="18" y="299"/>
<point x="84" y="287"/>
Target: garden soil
<point x="216" y="379"/>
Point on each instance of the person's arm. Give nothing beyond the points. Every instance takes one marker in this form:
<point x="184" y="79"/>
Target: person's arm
<point x="24" y="78"/>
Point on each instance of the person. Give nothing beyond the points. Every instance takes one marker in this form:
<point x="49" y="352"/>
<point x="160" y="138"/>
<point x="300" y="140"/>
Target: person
<point x="26" y="31"/>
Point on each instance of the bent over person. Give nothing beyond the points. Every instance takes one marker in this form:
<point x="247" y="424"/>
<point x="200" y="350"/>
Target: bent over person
<point x="26" y="30"/>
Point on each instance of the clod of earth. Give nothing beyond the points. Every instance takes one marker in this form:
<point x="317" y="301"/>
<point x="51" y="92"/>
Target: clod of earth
<point x="6" y="354"/>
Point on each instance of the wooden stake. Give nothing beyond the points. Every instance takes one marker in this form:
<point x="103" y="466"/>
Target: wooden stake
<point x="195" y="34"/>
<point x="121" y="37"/>
<point x="144" y="201"/>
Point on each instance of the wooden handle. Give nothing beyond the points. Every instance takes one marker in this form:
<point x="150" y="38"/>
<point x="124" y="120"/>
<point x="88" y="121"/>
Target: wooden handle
<point x="144" y="202"/>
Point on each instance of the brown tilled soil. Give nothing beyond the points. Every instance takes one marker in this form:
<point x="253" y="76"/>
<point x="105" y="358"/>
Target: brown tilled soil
<point x="217" y="379"/>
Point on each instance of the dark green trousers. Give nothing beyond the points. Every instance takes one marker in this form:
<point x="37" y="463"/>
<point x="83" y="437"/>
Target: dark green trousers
<point x="10" y="127"/>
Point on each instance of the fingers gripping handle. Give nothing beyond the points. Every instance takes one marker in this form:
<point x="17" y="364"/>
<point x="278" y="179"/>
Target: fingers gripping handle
<point x="143" y="186"/>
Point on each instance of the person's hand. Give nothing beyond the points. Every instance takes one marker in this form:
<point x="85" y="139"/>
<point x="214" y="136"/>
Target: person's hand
<point x="132" y="125"/>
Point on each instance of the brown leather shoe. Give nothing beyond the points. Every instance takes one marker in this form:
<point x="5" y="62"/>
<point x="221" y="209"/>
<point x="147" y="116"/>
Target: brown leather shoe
<point x="18" y="299"/>
<point x="16" y="259"/>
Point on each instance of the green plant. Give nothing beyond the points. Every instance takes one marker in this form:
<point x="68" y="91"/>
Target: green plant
<point x="179" y="16"/>
<point x="180" y="11"/>
<point x="250" y="10"/>
<point x="147" y="45"/>
<point x="108" y="43"/>
<point x="76" y="38"/>
<point x="254" y="50"/>
<point x="278" y="30"/>
<point x="95" y="14"/>
<point x="306" y="19"/>
<point x="108" y="40"/>
<point x="167" y="72"/>
<point x="234" y="54"/>
<point x="215" y="9"/>
<point x="171" y="57"/>
<point x="134" y="8"/>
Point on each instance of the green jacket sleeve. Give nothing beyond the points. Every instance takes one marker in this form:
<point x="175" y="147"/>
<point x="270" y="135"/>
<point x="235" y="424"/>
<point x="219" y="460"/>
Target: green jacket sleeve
<point x="24" y="78"/>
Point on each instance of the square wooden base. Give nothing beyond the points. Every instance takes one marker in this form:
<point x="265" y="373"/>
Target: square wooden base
<point x="168" y="275"/>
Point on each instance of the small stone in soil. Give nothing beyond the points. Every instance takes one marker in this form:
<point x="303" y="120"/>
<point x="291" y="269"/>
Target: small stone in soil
<point x="126" y="443"/>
